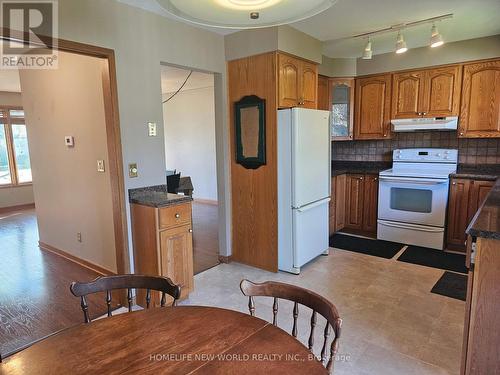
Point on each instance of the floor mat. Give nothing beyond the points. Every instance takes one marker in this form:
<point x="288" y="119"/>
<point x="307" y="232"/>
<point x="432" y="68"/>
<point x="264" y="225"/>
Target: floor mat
<point x="453" y="285"/>
<point x="434" y="258"/>
<point x="378" y="248"/>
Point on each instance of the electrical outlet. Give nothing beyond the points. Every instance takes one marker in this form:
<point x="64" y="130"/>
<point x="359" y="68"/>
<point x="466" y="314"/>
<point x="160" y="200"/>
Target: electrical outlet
<point x="132" y="170"/>
<point x="100" y="166"/>
<point x="79" y="237"/>
<point x="152" y="129"/>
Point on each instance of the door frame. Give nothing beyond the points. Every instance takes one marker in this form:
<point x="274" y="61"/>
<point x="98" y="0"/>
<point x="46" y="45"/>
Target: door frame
<point x="112" y="120"/>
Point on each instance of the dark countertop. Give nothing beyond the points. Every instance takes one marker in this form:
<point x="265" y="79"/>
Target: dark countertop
<point x="362" y="167"/>
<point x="488" y="172"/>
<point x="156" y="196"/>
<point x="486" y="222"/>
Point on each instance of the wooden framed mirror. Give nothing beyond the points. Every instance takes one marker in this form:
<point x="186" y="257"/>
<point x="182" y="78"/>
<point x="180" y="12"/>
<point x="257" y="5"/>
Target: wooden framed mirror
<point x="250" y="117"/>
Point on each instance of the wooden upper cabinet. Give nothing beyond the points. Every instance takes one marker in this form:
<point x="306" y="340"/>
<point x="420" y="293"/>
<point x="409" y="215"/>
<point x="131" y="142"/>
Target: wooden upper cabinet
<point x="297" y="82"/>
<point x="442" y="91"/>
<point x="426" y="93"/>
<point x="342" y="105"/>
<point x="372" y="108"/>
<point x="480" y="111"/>
<point x="308" y="85"/>
<point x="323" y="93"/>
<point x="408" y="94"/>
<point x="288" y="78"/>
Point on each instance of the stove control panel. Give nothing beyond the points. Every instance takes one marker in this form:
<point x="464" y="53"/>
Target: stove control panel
<point x="426" y="155"/>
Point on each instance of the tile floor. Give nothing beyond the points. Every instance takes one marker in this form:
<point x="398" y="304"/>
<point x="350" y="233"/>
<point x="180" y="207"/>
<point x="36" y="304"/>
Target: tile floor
<point x="392" y="324"/>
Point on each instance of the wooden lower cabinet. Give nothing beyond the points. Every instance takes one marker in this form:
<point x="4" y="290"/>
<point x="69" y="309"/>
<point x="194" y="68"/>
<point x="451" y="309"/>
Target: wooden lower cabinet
<point x="466" y="196"/>
<point x="337" y="204"/>
<point x="481" y="340"/>
<point x="355" y="204"/>
<point x="163" y="246"/>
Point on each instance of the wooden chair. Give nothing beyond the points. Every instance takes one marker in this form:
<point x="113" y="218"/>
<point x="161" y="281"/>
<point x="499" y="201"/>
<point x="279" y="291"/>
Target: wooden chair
<point x="304" y="297"/>
<point x="129" y="282"/>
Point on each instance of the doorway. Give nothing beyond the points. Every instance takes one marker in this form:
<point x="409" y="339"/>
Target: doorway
<point x="188" y="99"/>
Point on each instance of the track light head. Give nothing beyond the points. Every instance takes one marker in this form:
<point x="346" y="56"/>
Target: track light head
<point x="367" y="52"/>
<point x="401" y="44"/>
<point x="436" y="38"/>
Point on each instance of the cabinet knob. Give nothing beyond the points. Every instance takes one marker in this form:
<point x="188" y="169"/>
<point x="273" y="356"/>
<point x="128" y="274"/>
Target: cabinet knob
<point x="461" y="133"/>
<point x="177" y="216"/>
<point x="375" y="179"/>
<point x="361" y="178"/>
<point x="424" y="113"/>
<point x="453" y="183"/>
<point x="190" y="230"/>
<point x="385" y="135"/>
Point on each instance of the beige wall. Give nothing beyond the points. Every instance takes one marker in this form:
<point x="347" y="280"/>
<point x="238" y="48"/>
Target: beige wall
<point x="466" y="50"/>
<point x="283" y="38"/>
<point x="70" y="195"/>
<point x="18" y="195"/>
<point x="189" y="123"/>
<point x="141" y="41"/>
<point x="337" y="67"/>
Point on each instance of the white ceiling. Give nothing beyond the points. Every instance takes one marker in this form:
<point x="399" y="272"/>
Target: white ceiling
<point x="472" y="19"/>
<point x="9" y="80"/>
<point x="172" y="78"/>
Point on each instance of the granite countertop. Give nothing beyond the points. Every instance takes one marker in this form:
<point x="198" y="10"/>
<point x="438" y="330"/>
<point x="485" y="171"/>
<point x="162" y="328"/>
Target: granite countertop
<point x="363" y="167"/>
<point x="156" y="196"/>
<point x="488" y="172"/>
<point x="486" y="222"/>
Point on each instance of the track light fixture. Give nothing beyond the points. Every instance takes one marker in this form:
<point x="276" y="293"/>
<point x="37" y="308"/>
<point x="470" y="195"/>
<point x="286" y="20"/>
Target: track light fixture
<point x="401" y="44"/>
<point x="367" y="53"/>
<point x="436" y="38"/>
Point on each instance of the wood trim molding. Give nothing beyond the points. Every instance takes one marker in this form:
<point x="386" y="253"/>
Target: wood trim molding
<point x="81" y="262"/>
<point x="20" y="207"/>
<point x="206" y="201"/>
<point x="112" y="131"/>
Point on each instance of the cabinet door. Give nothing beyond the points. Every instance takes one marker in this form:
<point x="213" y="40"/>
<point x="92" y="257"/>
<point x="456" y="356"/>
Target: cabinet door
<point x="354" y="201"/>
<point x="176" y="257"/>
<point x="442" y="92"/>
<point x="407" y="96"/>
<point x="478" y="192"/>
<point x="340" y="190"/>
<point x="370" y="204"/>
<point x="373" y="102"/>
<point x="480" y="111"/>
<point x="323" y="93"/>
<point x="458" y="213"/>
<point x="342" y="107"/>
<point x="308" y="84"/>
<point x="289" y="75"/>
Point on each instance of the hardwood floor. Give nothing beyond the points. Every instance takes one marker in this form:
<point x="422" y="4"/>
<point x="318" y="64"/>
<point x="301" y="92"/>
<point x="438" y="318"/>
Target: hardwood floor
<point x="205" y="236"/>
<point x="35" y="300"/>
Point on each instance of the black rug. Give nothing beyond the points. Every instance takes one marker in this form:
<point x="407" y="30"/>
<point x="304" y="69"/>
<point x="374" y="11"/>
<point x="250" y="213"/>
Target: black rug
<point x="378" y="248"/>
<point x="434" y="258"/>
<point x="452" y="285"/>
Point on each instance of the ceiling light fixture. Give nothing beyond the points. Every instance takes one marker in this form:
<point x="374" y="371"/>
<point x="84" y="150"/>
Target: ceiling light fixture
<point x="367" y="53"/>
<point x="436" y="38"/>
<point x="401" y="44"/>
<point x="244" y="14"/>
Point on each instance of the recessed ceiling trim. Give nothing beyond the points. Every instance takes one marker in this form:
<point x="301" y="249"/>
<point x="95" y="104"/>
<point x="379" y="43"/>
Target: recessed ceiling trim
<point x="266" y="19"/>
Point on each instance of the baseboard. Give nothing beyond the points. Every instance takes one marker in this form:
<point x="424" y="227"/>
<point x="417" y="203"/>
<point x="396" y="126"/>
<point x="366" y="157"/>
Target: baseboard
<point x="224" y="258"/>
<point x="81" y="262"/>
<point x="20" y="207"/>
<point x="206" y="201"/>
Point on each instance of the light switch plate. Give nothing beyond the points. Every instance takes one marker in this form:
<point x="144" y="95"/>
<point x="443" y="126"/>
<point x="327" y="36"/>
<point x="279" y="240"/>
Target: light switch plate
<point x="152" y="129"/>
<point x="132" y="170"/>
<point x="69" y="141"/>
<point x="100" y="166"/>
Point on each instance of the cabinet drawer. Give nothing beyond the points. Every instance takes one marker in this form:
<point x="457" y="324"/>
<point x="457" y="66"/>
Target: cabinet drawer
<point x="175" y="215"/>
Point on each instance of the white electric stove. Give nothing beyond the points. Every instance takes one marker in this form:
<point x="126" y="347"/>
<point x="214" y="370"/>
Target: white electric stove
<point x="413" y="196"/>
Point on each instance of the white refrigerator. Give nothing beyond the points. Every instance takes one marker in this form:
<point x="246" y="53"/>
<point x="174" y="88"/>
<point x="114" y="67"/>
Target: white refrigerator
<point x="304" y="170"/>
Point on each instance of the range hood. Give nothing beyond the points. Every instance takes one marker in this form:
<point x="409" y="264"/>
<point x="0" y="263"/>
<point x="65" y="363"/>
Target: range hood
<point x="425" y="124"/>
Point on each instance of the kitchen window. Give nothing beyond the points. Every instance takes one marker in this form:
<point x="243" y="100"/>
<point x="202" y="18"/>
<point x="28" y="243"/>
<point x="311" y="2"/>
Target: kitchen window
<point x="15" y="166"/>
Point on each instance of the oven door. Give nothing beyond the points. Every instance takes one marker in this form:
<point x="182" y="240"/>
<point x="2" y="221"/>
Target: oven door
<point x="413" y="200"/>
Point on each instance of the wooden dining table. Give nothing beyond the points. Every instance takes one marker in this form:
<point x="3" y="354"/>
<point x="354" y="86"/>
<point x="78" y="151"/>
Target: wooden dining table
<point x="171" y="340"/>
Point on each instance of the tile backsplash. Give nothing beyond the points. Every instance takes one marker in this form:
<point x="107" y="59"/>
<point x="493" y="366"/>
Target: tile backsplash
<point x="470" y="151"/>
